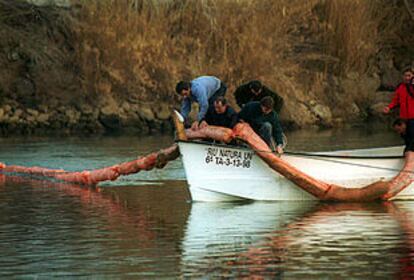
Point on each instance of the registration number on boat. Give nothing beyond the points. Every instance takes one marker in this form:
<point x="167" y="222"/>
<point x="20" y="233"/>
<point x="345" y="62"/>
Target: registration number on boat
<point x="228" y="157"/>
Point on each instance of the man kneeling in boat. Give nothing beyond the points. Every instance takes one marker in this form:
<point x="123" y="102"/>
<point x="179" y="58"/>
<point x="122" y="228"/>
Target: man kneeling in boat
<point x="203" y="90"/>
<point x="222" y="115"/>
<point x="264" y="121"/>
<point x="405" y="128"/>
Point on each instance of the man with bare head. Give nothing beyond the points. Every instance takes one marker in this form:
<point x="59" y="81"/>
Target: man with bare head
<point x="264" y="121"/>
<point x="406" y="130"/>
<point x="222" y="115"/>
<point x="403" y="97"/>
<point x="255" y="91"/>
<point x="203" y="90"/>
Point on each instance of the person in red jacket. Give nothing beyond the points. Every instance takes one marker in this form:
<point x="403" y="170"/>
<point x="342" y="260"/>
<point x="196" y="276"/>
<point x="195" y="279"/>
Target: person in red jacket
<point x="403" y="97"/>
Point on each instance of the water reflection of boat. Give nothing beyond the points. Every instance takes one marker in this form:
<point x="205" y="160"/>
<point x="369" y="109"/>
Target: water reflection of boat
<point x="217" y="231"/>
<point x="299" y="240"/>
<point x="355" y="237"/>
<point x="222" y="173"/>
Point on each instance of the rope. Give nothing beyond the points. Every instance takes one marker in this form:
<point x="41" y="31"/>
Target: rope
<point x="328" y="158"/>
<point x="304" y="154"/>
<point x="285" y="141"/>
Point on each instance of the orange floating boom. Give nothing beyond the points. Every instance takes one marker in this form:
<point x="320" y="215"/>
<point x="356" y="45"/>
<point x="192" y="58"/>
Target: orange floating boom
<point x="381" y="190"/>
<point x="91" y="177"/>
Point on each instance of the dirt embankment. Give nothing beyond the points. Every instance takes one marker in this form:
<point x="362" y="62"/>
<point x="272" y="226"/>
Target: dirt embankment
<point x="100" y="66"/>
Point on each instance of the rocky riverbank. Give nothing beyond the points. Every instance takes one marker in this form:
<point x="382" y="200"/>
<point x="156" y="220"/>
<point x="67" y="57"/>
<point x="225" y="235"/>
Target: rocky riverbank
<point x="97" y="67"/>
<point x="59" y="119"/>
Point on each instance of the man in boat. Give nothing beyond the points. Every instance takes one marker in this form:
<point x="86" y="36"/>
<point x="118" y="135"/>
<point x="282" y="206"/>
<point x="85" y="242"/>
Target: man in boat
<point x="264" y="121"/>
<point x="403" y="97"/>
<point x="406" y="130"/>
<point x="203" y="90"/>
<point x="222" y="115"/>
<point x="255" y="91"/>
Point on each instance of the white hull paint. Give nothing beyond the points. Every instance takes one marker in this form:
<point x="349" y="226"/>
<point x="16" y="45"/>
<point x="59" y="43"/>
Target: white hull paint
<point x="228" y="173"/>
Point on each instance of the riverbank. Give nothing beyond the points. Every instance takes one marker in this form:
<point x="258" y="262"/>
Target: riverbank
<point x="16" y="118"/>
<point x="101" y="67"/>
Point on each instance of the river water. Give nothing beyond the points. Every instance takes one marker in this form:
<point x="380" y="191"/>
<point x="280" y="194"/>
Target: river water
<point x="145" y="226"/>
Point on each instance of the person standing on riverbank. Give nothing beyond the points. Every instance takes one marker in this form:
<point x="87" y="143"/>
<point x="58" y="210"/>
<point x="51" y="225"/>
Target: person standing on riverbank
<point x="264" y="121"/>
<point x="403" y="97"/>
<point x="204" y="90"/>
<point x="255" y="91"/>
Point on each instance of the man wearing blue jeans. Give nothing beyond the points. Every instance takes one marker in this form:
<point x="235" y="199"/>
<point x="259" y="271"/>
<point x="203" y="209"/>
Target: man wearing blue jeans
<point x="204" y="90"/>
<point x="264" y="121"/>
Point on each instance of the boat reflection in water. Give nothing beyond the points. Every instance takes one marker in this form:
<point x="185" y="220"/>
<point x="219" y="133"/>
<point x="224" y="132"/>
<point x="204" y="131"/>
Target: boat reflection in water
<point x="152" y="231"/>
<point x="300" y="240"/>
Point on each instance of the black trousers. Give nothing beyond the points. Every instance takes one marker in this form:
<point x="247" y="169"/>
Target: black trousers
<point x="409" y="136"/>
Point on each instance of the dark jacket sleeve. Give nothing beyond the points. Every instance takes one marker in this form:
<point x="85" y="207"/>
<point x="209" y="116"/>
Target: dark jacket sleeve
<point x="232" y="116"/>
<point x="277" y="130"/>
<point x="244" y="114"/>
<point x="276" y="98"/>
<point x="207" y="118"/>
<point x="241" y="95"/>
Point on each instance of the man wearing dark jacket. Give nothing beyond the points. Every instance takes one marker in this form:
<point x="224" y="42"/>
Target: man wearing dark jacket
<point x="222" y="115"/>
<point x="264" y="121"/>
<point x="255" y="91"/>
<point x="405" y="128"/>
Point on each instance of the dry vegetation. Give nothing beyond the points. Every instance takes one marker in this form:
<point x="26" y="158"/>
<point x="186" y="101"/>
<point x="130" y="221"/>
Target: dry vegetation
<point x="136" y="50"/>
<point x="148" y="47"/>
<point x="356" y="30"/>
<point x="143" y="47"/>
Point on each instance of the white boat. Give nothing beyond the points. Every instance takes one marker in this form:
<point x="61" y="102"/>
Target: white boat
<point x="218" y="172"/>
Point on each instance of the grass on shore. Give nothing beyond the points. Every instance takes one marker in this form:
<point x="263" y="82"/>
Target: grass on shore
<point x="142" y="47"/>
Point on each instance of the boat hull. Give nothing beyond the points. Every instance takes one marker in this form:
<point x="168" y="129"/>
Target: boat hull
<point x="228" y="173"/>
